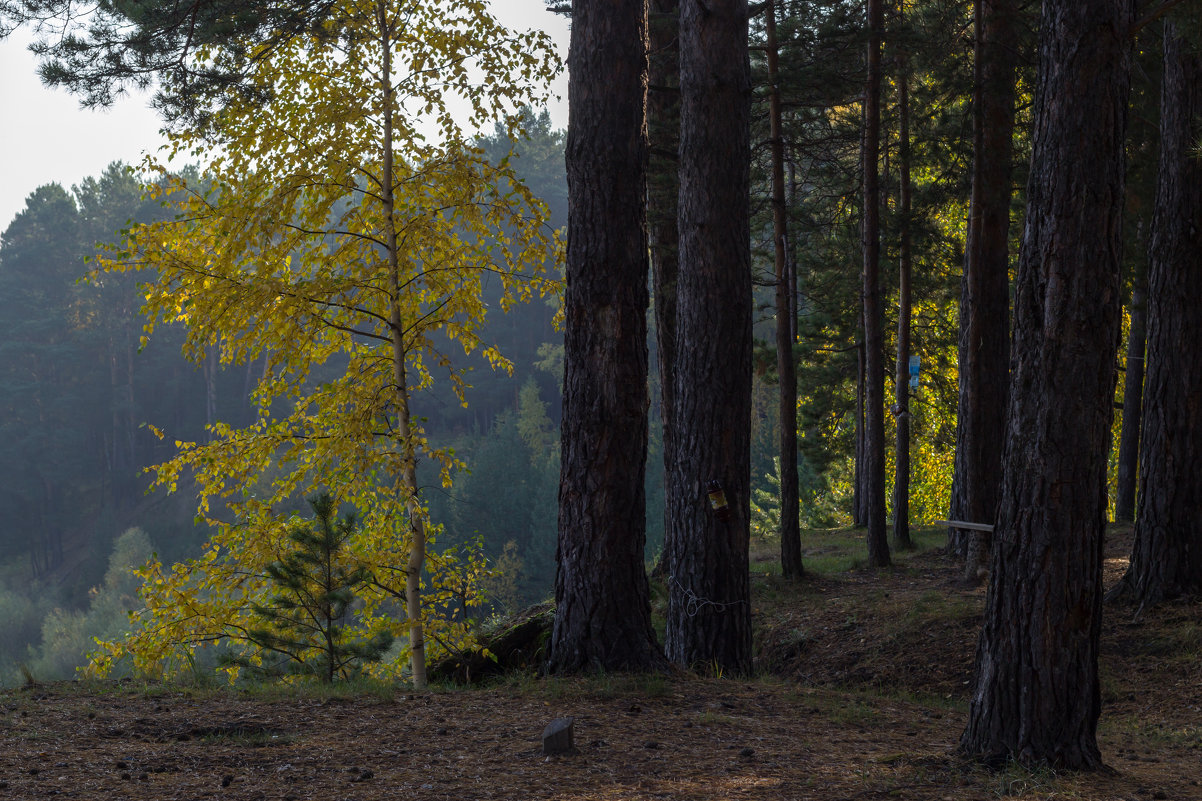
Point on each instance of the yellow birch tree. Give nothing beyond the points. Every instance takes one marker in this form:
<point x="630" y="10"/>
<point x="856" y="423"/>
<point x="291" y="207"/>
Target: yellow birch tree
<point x="345" y="225"/>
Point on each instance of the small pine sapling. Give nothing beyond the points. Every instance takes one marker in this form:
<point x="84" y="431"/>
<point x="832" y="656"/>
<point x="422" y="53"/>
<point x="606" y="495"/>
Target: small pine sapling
<point x="765" y="504"/>
<point x="304" y="623"/>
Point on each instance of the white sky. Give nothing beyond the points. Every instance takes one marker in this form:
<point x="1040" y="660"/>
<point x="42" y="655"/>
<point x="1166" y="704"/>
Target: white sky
<point x="45" y="137"/>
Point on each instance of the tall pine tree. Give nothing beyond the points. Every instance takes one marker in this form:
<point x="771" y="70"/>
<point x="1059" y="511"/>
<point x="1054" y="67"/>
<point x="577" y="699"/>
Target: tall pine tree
<point x="1036" y="694"/>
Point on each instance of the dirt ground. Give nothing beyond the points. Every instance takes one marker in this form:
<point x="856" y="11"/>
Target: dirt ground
<point x="865" y="701"/>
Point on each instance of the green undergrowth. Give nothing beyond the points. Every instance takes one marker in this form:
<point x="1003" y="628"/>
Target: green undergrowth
<point x="829" y="552"/>
<point x="1138" y="732"/>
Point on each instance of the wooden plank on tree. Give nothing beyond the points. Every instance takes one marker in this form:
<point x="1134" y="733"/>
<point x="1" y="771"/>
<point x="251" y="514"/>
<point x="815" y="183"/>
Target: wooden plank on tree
<point x="964" y="525"/>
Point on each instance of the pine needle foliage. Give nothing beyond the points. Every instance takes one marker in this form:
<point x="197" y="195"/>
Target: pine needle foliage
<point x="304" y="629"/>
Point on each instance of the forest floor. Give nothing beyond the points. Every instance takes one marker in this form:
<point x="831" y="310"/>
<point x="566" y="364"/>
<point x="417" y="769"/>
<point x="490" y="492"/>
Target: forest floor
<point x="860" y="694"/>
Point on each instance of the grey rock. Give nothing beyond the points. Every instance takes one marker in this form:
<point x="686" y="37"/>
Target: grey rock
<point x="559" y="736"/>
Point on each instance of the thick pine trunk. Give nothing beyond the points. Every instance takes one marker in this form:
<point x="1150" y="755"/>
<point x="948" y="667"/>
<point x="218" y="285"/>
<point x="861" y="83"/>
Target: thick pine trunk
<point x="874" y="314"/>
<point x="985" y="289"/>
<point x="603" y="611"/>
<point x="790" y="532"/>
<point x="1166" y="561"/>
<point x="709" y="613"/>
<point x="663" y="190"/>
<point x="1035" y="695"/>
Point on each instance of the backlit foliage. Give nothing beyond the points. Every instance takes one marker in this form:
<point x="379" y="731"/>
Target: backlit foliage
<point x="344" y="232"/>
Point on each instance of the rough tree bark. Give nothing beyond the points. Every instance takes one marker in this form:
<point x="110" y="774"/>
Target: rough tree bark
<point x="874" y="315"/>
<point x="602" y="615"/>
<point x="663" y="189"/>
<point x="1166" y="560"/>
<point x="790" y="531"/>
<point x="1035" y="689"/>
<point x="985" y="289"/>
<point x="709" y="613"/>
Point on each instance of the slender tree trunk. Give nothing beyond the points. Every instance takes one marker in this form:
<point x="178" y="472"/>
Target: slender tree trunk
<point x="603" y="609"/>
<point x="129" y="401"/>
<point x="790" y="531"/>
<point x="117" y="468"/>
<point x="248" y="387"/>
<point x="129" y="351"/>
<point x="211" y="366"/>
<point x="663" y="189"/>
<point x="417" y="522"/>
<point x="1035" y="691"/>
<point x="859" y="498"/>
<point x="1133" y="395"/>
<point x="901" y="408"/>
<point x="407" y="485"/>
<point x="709" y="612"/>
<point x="985" y="290"/>
<point x="37" y="522"/>
<point x="45" y="526"/>
<point x="791" y="254"/>
<point x="874" y="315"/>
<point x="51" y="527"/>
<point x="123" y="460"/>
<point x="1166" y="561"/>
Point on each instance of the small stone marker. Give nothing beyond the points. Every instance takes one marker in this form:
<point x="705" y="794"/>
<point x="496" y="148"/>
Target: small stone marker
<point x="559" y="736"/>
